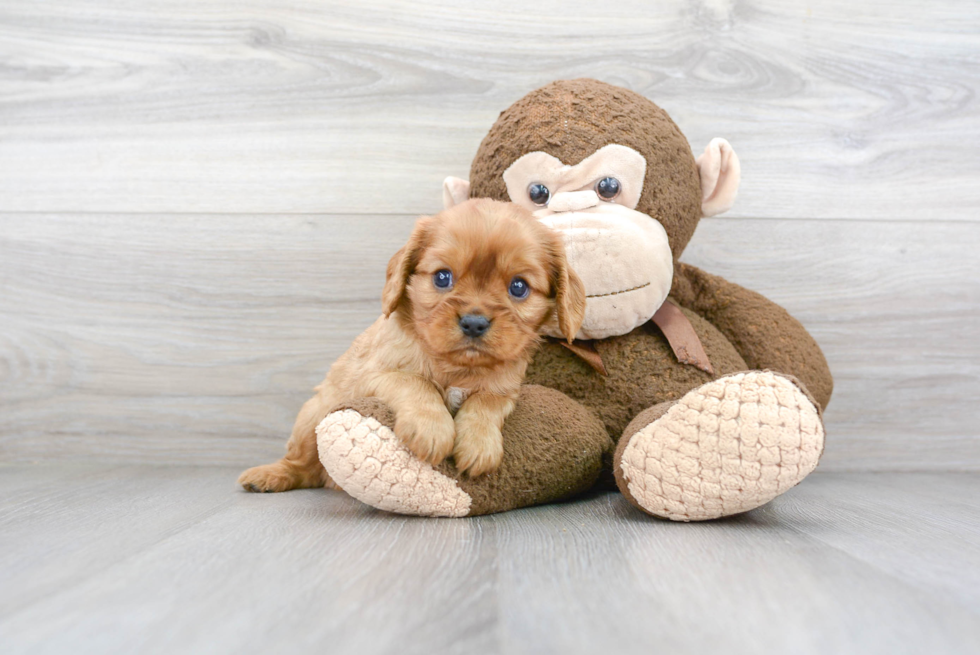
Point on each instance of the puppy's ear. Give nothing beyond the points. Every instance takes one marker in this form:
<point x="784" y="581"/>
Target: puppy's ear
<point x="402" y="265"/>
<point x="569" y="292"/>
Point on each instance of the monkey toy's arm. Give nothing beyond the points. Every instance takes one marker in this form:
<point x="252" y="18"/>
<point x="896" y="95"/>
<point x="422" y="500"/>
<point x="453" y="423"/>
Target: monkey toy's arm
<point x="762" y="332"/>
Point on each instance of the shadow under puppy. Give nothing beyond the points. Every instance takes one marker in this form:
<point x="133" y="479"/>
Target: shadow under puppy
<point x="463" y="305"/>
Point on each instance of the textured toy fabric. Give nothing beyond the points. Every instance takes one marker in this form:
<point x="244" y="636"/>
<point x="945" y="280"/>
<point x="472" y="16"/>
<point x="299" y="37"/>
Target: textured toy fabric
<point x="724" y="448"/>
<point x="359" y="449"/>
<point x="642" y="371"/>
<point x="571" y="120"/>
<point x="693" y="445"/>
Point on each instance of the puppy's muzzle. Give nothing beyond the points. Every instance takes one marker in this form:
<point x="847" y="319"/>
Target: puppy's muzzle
<point x="474" y="325"/>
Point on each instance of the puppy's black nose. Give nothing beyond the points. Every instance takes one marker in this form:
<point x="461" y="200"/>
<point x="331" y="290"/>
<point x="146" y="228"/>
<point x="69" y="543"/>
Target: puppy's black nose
<point x="474" y="325"/>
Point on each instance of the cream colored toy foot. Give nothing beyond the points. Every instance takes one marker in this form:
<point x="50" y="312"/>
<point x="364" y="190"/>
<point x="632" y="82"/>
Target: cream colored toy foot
<point x="724" y="448"/>
<point x="368" y="461"/>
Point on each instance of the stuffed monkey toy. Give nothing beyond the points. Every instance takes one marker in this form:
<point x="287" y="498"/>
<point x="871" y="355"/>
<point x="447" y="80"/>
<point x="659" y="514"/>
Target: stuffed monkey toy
<point x="697" y="398"/>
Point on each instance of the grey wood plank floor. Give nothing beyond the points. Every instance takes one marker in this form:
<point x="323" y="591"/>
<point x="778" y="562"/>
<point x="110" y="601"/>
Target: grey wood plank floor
<point x="115" y="559"/>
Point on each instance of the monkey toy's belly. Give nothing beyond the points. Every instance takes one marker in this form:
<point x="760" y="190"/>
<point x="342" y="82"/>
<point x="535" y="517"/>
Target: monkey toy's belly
<point x="642" y="371"/>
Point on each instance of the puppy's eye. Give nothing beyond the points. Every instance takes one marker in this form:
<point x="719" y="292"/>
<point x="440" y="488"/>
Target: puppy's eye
<point x="539" y="194"/>
<point x="443" y="279"/>
<point x="519" y="289"/>
<point x="608" y="188"/>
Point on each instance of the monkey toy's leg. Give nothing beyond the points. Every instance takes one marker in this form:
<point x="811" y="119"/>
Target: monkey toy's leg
<point x="553" y="449"/>
<point x="763" y="333"/>
<point x="724" y="448"/>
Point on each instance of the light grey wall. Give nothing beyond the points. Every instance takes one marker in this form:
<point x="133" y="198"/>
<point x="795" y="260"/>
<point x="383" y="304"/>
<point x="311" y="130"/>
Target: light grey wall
<point x="197" y="198"/>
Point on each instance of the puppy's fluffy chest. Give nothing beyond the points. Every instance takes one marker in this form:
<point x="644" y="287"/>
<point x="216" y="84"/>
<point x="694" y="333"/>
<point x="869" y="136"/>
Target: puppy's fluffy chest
<point x="385" y="346"/>
<point x="455" y="397"/>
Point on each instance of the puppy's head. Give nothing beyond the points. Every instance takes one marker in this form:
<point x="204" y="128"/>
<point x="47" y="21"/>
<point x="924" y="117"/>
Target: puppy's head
<point x="476" y="282"/>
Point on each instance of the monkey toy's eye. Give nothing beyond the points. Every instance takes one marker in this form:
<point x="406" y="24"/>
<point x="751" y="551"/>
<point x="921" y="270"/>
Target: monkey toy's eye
<point x="519" y="289"/>
<point x="539" y="194"/>
<point x="607" y="188"/>
<point x="443" y="279"/>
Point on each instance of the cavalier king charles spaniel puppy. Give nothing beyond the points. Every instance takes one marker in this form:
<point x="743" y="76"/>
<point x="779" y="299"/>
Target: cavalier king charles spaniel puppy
<point x="463" y="304"/>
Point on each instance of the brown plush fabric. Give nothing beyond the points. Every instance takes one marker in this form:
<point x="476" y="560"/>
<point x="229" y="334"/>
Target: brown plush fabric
<point x="553" y="450"/>
<point x="541" y="463"/>
<point x="372" y="407"/>
<point x="570" y="120"/>
<point x="643" y="371"/>
<point x="762" y="332"/>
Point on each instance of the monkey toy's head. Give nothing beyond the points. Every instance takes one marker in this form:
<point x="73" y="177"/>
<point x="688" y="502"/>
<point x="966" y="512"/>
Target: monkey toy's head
<point x="612" y="172"/>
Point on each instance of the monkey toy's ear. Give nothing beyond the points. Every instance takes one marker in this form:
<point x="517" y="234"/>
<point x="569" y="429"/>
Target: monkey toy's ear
<point x="454" y="191"/>
<point x="720" y="175"/>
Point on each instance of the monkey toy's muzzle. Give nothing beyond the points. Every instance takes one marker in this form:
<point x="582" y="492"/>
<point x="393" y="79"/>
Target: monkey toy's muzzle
<point x="623" y="258"/>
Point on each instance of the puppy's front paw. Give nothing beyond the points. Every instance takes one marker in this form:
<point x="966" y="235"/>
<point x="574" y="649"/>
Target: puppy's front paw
<point x="479" y="447"/>
<point x="429" y="432"/>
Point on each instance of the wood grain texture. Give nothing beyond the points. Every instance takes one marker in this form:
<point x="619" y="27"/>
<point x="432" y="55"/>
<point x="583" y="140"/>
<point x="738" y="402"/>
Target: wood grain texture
<point x="207" y="331"/>
<point x="172" y="559"/>
<point x="274" y="573"/>
<point x="838" y="109"/>
<point x="310" y="131"/>
<point x="195" y="339"/>
<point x="760" y="582"/>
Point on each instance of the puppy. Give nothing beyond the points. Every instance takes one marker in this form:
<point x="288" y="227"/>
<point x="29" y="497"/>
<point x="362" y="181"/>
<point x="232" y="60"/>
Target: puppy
<point x="462" y="306"/>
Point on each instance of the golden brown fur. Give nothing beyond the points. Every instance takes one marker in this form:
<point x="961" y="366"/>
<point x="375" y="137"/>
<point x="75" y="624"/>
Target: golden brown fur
<point x="414" y="354"/>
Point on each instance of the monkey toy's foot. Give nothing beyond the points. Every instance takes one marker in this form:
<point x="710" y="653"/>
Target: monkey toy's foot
<point x="359" y="449"/>
<point x="724" y="448"/>
<point x="553" y="449"/>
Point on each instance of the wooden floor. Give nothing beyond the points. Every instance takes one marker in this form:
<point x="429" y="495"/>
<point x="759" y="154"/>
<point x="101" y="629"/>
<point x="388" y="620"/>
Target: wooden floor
<point x="167" y="559"/>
